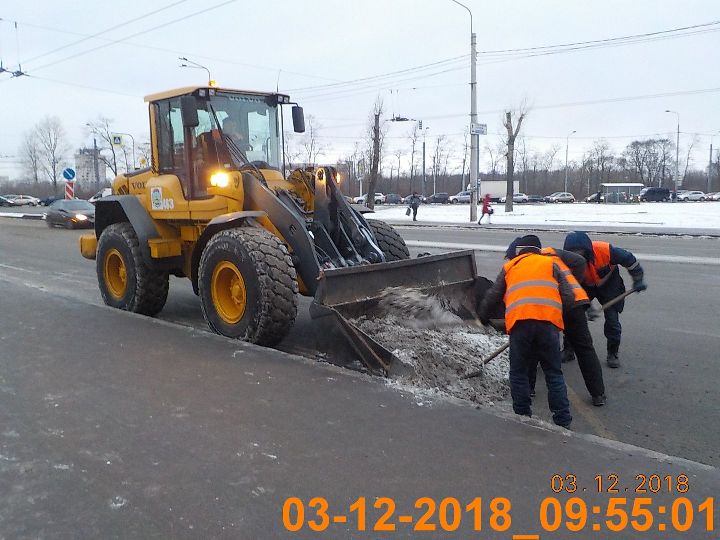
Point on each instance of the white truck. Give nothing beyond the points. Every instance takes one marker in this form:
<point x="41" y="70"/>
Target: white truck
<point x="496" y="189"/>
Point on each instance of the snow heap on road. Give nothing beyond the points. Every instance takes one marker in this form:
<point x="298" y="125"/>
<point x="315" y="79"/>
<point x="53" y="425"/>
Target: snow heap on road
<point x="689" y="215"/>
<point x="440" y="355"/>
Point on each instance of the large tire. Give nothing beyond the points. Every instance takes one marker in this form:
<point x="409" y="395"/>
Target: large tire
<point x="125" y="281"/>
<point x="248" y="286"/>
<point x="389" y="241"/>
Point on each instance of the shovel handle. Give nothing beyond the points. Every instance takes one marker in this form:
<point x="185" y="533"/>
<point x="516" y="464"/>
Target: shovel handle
<point x="485" y="361"/>
<point x="617" y="299"/>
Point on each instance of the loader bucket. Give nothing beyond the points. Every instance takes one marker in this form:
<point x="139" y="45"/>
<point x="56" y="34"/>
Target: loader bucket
<point x="347" y="293"/>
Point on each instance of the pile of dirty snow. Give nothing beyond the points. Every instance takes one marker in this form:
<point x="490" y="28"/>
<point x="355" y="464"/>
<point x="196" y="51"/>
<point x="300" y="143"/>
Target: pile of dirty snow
<point x="441" y="349"/>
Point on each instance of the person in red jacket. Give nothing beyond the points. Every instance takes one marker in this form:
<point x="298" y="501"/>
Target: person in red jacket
<point x="486" y="209"/>
<point x="534" y="290"/>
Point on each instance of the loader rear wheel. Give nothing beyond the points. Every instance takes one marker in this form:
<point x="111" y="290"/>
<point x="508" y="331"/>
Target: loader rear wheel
<point x="389" y="241"/>
<point x="125" y="281"/>
<point x="248" y="286"/>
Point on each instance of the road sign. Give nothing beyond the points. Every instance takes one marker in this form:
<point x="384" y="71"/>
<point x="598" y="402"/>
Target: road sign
<point x="68" y="173"/>
<point x="478" y="129"/>
<point x="69" y="189"/>
<point x="117" y="140"/>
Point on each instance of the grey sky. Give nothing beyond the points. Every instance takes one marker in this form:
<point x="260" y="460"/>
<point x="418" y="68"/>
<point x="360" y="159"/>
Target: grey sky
<point x="320" y="42"/>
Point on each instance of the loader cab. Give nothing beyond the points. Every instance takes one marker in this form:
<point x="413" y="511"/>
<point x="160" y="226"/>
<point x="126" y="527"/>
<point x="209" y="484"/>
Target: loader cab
<point x="197" y="131"/>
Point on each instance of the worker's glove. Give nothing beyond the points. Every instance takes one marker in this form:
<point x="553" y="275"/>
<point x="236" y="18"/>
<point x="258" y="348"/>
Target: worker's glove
<point x="639" y="285"/>
<point x="592" y="313"/>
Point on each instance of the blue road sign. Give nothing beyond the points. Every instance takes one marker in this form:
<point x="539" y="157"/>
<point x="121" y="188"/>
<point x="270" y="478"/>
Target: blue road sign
<point x="68" y="173"/>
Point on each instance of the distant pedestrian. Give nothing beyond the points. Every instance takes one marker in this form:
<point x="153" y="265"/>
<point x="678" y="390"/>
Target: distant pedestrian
<point x="534" y="290"/>
<point x="598" y="196"/>
<point x="486" y="209"/>
<point x="414" y="204"/>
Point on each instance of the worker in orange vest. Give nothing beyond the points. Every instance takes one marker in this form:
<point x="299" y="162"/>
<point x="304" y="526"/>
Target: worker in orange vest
<point x="602" y="280"/>
<point x="534" y="290"/>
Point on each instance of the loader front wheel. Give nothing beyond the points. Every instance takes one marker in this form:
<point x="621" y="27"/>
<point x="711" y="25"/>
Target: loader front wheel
<point x="389" y="241"/>
<point x="248" y="286"/>
<point x="125" y="281"/>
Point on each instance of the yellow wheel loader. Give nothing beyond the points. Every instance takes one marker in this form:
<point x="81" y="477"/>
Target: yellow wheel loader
<point x="214" y="206"/>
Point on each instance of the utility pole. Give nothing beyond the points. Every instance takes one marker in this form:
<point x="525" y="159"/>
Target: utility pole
<point x="95" y="165"/>
<point x="677" y="152"/>
<point x="710" y="169"/>
<point x="567" y="145"/>
<point x="424" y="171"/>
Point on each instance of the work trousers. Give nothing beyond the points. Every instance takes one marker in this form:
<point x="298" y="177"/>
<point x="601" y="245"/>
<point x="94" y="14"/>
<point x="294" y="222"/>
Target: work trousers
<point x="578" y="338"/>
<point x="414" y="210"/>
<point x="531" y="342"/>
<point x="613" y="288"/>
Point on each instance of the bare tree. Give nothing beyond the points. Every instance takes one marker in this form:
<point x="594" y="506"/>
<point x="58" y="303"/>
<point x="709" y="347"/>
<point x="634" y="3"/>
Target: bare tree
<point x="512" y="133"/>
<point x="145" y="153"/>
<point x="53" y="148"/>
<point x="398" y="155"/>
<point x="414" y="137"/>
<point x="375" y="145"/>
<point x="30" y="156"/>
<point x="465" y="159"/>
<point x="690" y="146"/>
<point x="494" y="154"/>
<point x="311" y="143"/>
<point x="101" y="129"/>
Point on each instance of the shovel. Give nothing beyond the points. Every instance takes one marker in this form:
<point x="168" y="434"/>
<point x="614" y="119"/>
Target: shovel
<point x="605" y="306"/>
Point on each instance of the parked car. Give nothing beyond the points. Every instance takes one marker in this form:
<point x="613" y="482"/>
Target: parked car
<point x="691" y="196"/>
<point x="517" y="198"/>
<point x="379" y="199"/>
<point x="393" y="198"/>
<point x="594" y="198"/>
<point x="560" y="197"/>
<point x="105" y="192"/>
<point x="47" y="201"/>
<point x="22" y="200"/>
<point x="5" y="202"/>
<point x="462" y="197"/>
<point x="535" y="198"/>
<point x="442" y="198"/>
<point x="713" y="196"/>
<point x="71" y="214"/>
<point x="654" y="194"/>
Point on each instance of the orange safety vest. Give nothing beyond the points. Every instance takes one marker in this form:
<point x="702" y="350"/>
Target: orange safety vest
<point x="600" y="265"/>
<point x="531" y="291"/>
<point x="578" y="291"/>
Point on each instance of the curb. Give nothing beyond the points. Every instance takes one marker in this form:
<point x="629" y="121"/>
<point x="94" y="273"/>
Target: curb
<point x="18" y="215"/>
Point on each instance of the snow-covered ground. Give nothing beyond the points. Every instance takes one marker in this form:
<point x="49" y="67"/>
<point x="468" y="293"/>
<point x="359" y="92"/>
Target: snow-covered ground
<point x="689" y="215"/>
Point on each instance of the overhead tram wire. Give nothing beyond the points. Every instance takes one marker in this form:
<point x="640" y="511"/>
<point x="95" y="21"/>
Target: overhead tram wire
<point x="174" y="52"/>
<point x="121" y="40"/>
<point x="104" y="31"/>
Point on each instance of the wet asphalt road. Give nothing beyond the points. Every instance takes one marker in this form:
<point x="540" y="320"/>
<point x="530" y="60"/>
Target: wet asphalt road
<point x="664" y="397"/>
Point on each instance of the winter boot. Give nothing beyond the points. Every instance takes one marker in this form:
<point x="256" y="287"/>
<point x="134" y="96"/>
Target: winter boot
<point x="613" y="359"/>
<point x="599" y="401"/>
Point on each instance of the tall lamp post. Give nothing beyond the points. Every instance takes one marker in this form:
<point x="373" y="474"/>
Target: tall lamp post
<point x="677" y="152"/>
<point x="190" y="64"/>
<point x="710" y="163"/>
<point x="567" y="146"/>
<point x="474" y="136"/>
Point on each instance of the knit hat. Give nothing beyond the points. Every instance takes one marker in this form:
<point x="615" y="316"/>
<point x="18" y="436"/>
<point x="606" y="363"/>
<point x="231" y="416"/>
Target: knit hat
<point x="579" y="241"/>
<point x="511" y="251"/>
<point x="528" y="242"/>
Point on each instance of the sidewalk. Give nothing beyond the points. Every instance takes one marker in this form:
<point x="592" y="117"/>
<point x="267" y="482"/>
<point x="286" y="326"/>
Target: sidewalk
<point x="119" y="425"/>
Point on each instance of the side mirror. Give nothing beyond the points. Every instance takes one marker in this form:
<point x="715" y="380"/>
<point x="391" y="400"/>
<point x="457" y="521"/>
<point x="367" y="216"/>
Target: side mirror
<point x="188" y="108"/>
<point x="298" y="119"/>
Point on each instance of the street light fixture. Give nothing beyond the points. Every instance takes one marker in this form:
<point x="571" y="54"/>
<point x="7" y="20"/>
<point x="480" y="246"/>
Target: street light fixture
<point x="194" y="65"/>
<point x="567" y="144"/>
<point x="474" y="136"/>
<point x="677" y="152"/>
<point x="710" y="163"/>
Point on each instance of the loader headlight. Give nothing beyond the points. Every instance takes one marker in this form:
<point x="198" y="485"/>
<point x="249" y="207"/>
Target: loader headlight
<point x="220" y="179"/>
<point x="338" y="177"/>
<point x="81" y="217"/>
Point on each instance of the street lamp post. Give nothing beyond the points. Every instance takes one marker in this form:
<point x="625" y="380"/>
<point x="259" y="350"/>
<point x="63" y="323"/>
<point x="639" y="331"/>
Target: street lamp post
<point x="474" y="136"/>
<point x="677" y="152"/>
<point x="567" y="145"/>
<point x="710" y="164"/>
<point x="191" y="64"/>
